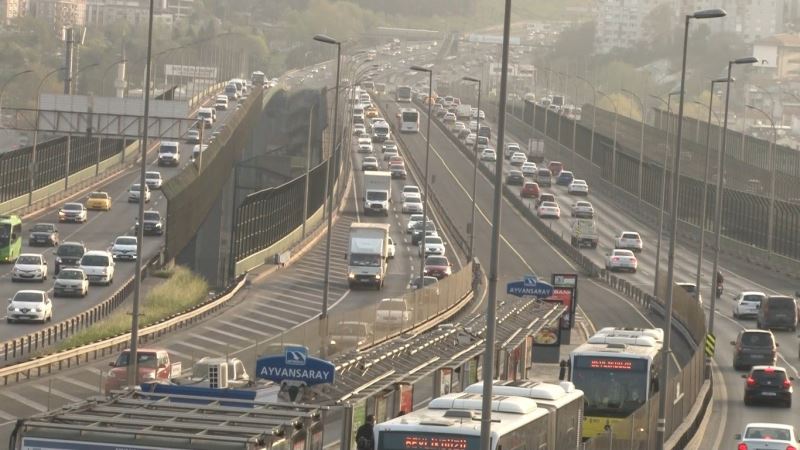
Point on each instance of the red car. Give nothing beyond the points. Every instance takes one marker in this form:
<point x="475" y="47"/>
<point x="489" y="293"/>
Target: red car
<point x="555" y="168"/>
<point x="529" y="190"/>
<point x="437" y="266"/>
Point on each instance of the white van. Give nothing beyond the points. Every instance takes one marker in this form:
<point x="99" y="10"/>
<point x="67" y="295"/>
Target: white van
<point x="221" y="103"/>
<point x="207" y="113"/>
<point x="169" y="153"/>
<point x="98" y="265"/>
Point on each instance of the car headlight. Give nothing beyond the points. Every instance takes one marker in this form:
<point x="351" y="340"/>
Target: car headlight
<point x="377" y="276"/>
<point x="58" y="259"/>
<point x="38" y="309"/>
<point x="351" y="275"/>
<point x="11" y="307"/>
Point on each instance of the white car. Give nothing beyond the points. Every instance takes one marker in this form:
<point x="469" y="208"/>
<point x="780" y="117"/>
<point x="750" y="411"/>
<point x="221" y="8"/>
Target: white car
<point x="470" y="139"/>
<point x="392" y="312"/>
<point x="411" y="188"/>
<point x="621" y="260"/>
<point x="759" y="436"/>
<point x="511" y="149"/>
<point x="412" y="196"/>
<point x="71" y="281"/>
<point x="483" y="142"/>
<point x="390" y="153"/>
<point x="549" y="210"/>
<point x="193" y="136"/>
<point x="582" y="210"/>
<point x="98" y="266"/>
<point x="30" y="305"/>
<point x="73" y="212"/>
<point x="413" y="220"/>
<point x="369" y="163"/>
<point x="629" y="240"/>
<point x="748" y="304"/>
<point x="134" y="193"/>
<point x="518" y="159"/>
<point x="433" y="245"/>
<point x="364" y="145"/>
<point x="390" y="249"/>
<point x="529" y="169"/>
<point x="29" y="267"/>
<point x="488" y="154"/>
<point x="124" y="248"/>
<point x="449" y="118"/>
<point x="153" y="179"/>
<point x="578" y="187"/>
<point x="691" y="289"/>
<point x="359" y="129"/>
<point x="412" y="206"/>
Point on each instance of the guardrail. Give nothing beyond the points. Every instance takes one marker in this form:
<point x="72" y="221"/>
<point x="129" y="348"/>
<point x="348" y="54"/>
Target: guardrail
<point x="46" y="364"/>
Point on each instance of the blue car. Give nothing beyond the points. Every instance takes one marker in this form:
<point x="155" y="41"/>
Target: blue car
<point x="564" y="178"/>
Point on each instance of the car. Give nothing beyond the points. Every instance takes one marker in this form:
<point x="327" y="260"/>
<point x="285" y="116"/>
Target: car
<point x="135" y="193"/>
<point x="629" y="240"/>
<point x="411" y="188"/>
<point x="417" y="232"/>
<point x="369" y="163"/>
<point x="470" y="139"/>
<point x="43" y="234"/>
<point x="364" y="145"/>
<point x="197" y="152"/>
<point x="153" y="223"/>
<point x="193" y="136"/>
<point x="71" y="282"/>
<point x="221" y="103"/>
<point x="691" y="289"/>
<point x="98" y="266"/>
<point x="530" y="189"/>
<point x="582" y="210"/>
<point x="426" y="281"/>
<point x="398" y="171"/>
<point x="555" y="167"/>
<point x="529" y="169"/>
<point x="412" y="196"/>
<point x="577" y="187"/>
<point x="449" y="118"/>
<point x="389" y="146"/>
<point x="543" y="177"/>
<point x="30" y="305"/>
<point x="348" y="335"/>
<point x="389" y="153"/>
<point x="619" y="260"/>
<point x="68" y="254"/>
<point x="767" y="435"/>
<point x="396" y="159"/>
<point x="564" y="178"/>
<point x="754" y="347"/>
<point x="437" y="266"/>
<point x="393" y="312"/>
<point x="777" y="311"/>
<point x="73" y="212"/>
<point x="413" y="220"/>
<point x="359" y="129"/>
<point x="483" y="142"/>
<point x="99" y="201"/>
<point x="488" y="154"/>
<point x="510" y="149"/>
<point x="433" y="245"/>
<point x="548" y="210"/>
<point x="545" y="197"/>
<point x="518" y="159"/>
<point x="391" y="249"/>
<point x="29" y="267"/>
<point x="768" y="384"/>
<point x="747" y="304"/>
<point x="458" y="126"/>
<point x="515" y="178"/>
<point x="153" y="179"/>
<point x="124" y="248"/>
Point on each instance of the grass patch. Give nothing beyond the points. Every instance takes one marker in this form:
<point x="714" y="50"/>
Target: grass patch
<point x="181" y="291"/>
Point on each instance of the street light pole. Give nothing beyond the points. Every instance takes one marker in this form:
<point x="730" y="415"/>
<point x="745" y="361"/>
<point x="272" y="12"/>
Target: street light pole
<point x="771" y="164"/>
<point x="32" y="168"/>
<point x="614" y="141"/>
<point x="643" y="109"/>
<point x="474" y="170"/>
<point x="427" y="157"/>
<point x="661" y="428"/>
<point x="594" y="117"/>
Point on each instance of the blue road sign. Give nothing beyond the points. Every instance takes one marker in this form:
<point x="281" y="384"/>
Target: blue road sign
<point x="295" y="365"/>
<point x="530" y="286"/>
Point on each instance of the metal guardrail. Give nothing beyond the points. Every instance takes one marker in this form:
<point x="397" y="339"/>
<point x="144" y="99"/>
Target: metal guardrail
<point x="46" y="364"/>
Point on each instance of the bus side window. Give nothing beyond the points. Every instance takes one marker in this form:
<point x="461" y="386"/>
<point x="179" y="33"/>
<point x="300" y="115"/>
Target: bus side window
<point x="16" y="232"/>
<point x="654" y="383"/>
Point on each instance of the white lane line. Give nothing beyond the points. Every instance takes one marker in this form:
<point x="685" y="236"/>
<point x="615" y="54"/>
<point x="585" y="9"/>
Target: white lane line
<point x="225" y="333"/>
<point x="57" y="393"/>
<point x="79" y="383"/>
<point x="200" y="348"/>
<point x="24" y="400"/>
<point x="180" y="355"/>
<point x="10" y="417"/>
<point x="261" y="323"/>
<point x="272" y="316"/>
<point x="292" y="305"/>
<point x="244" y="328"/>
<point x="208" y="339"/>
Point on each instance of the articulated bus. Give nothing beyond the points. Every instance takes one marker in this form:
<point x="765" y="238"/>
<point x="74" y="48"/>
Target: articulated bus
<point x="409" y="120"/>
<point x="617" y="369"/>
<point x="10" y="237"/>
<point x="403" y="94"/>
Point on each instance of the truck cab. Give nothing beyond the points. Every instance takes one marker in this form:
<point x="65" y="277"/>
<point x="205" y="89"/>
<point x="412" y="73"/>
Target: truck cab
<point x="368" y="254"/>
<point x="377" y="192"/>
<point x="152" y="365"/>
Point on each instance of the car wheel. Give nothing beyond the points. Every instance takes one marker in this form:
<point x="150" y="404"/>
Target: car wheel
<point x="735" y="316"/>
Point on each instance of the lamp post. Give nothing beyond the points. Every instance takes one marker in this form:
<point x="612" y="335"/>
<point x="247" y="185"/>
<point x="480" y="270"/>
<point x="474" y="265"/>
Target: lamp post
<point x="676" y="166"/>
<point x="494" y="259"/>
<point x="643" y="110"/>
<point x="7" y="82"/>
<point x="69" y="135"/>
<point x="594" y="116"/>
<point x="771" y="163"/>
<point x="474" y="170"/>
<point x="105" y="74"/>
<point x="427" y="157"/>
<point x="719" y="194"/>
<point x="614" y="141"/>
<point x="32" y="168"/>
<point x="329" y="190"/>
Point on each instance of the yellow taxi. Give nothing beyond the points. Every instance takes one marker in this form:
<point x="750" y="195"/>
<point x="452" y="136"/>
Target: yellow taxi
<point x="371" y="112"/>
<point x="99" y="200"/>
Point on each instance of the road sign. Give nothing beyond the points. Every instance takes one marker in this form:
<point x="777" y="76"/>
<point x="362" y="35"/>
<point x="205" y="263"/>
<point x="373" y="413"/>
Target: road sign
<point x="530" y="286"/>
<point x="296" y="366"/>
<point x="711" y="343"/>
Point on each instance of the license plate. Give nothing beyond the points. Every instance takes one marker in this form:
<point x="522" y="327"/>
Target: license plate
<point x="769" y="394"/>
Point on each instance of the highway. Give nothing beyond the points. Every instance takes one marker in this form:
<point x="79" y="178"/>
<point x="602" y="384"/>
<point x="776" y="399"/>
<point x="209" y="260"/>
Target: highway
<point x="98" y="233"/>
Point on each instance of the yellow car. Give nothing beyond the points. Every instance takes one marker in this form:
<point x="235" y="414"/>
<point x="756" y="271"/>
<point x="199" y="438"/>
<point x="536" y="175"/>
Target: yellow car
<point x="371" y="112"/>
<point x="99" y="200"/>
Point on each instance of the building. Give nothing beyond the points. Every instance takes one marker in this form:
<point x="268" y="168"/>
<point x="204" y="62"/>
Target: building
<point x="751" y="20"/>
<point x="61" y="13"/>
<point x="620" y="23"/>
<point x="102" y="12"/>
<point x="10" y="9"/>
<point x="779" y="56"/>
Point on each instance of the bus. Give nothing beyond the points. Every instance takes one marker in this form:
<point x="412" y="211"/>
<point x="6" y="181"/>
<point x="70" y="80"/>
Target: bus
<point x="258" y="78"/>
<point x="403" y="94"/>
<point x="10" y="237"/>
<point x="453" y="422"/>
<point x="409" y="120"/>
<point x="617" y="369"/>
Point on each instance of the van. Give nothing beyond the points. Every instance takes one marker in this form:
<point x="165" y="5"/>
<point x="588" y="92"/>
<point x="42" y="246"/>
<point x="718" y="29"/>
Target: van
<point x="543" y="177"/>
<point x="207" y="113"/>
<point x="777" y="311"/>
<point x="754" y="347"/>
<point x="221" y="103"/>
<point x="484" y="130"/>
<point x="169" y="153"/>
<point x="98" y="265"/>
<point x="231" y="92"/>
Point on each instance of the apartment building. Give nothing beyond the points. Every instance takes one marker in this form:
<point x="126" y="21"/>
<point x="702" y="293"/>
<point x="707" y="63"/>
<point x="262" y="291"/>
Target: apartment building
<point x="10" y="9"/>
<point x="60" y="13"/>
<point x="620" y="23"/>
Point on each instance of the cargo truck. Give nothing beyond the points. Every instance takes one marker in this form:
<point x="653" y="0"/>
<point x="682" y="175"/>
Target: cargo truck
<point x="536" y="150"/>
<point x="367" y="255"/>
<point x="377" y="192"/>
<point x="584" y="233"/>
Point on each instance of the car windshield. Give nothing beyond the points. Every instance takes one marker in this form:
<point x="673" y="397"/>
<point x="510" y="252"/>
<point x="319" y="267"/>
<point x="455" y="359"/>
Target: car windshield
<point x="630" y="236"/>
<point x="168" y="149"/>
<point x="152" y="216"/>
<point x="365" y="260"/>
<point x="752" y="298"/>
<point x="436" y="261"/>
<point x="690" y="288"/>
<point x="152" y="176"/>
<point x="126" y="241"/>
<point x="70" y="275"/>
<point x="29" y="259"/>
<point x="70" y="250"/>
<point x="102" y="195"/>
<point x="73" y="207"/>
<point x="433" y="240"/>
<point x="94" y="260"/>
<point x="377" y="195"/>
<point x="148" y="359"/>
<point x="757" y="340"/>
<point x="392" y="306"/>
<point x="42" y="227"/>
<point x="767" y="433"/>
<point x="135" y="188"/>
<point x="548" y="205"/>
<point x="29" y="297"/>
<point x="783" y="304"/>
<point x="623" y="253"/>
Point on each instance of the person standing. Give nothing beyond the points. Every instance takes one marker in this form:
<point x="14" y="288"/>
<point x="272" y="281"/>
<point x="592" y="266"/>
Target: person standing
<point x="364" y="434"/>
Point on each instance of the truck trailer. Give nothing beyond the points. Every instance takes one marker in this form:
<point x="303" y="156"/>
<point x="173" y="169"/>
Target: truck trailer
<point x="367" y="255"/>
<point x="377" y="192"/>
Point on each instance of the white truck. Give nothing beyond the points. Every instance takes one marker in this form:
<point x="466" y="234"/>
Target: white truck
<point x="377" y="192"/>
<point x="367" y="255"/>
<point x="464" y="111"/>
<point x="584" y="233"/>
<point x="536" y="150"/>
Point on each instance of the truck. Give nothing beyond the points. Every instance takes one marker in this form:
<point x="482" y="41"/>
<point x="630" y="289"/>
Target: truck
<point x="154" y="364"/>
<point x="464" y="111"/>
<point x="368" y="254"/>
<point x="377" y="192"/>
<point x="583" y="233"/>
<point x="536" y="150"/>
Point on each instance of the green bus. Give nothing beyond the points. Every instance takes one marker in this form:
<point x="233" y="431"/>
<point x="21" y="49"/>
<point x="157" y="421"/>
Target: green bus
<point x="10" y="238"/>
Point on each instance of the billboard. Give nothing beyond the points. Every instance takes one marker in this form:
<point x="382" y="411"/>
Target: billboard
<point x="174" y="70"/>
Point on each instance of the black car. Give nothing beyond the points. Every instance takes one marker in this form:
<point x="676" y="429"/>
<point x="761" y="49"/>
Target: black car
<point x="768" y="384"/>
<point x="69" y="254"/>
<point x="753" y="348"/>
<point x="777" y="311"/>
<point x="515" y="178"/>
<point x="153" y="223"/>
<point x="416" y="232"/>
<point x="43" y="234"/>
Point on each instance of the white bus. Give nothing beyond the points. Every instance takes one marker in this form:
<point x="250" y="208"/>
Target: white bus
<point x="409" y="120"/>
<point x="617" y="369"/>
<point x="403" y="94"/>
<point x="453" y="422"/>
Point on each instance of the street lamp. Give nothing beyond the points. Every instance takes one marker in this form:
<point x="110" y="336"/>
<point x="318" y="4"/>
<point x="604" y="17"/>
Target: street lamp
<point x="474" y="169"/>
<point x="82" y="69"/>
<point x="594" y="116"/>
<point x="329" y="190"/>
<point x="771" y="163"/>
<point x="641" y="142"/>
<point x="427" y="157"/>
<point x="32" y="168"/>
<point x="614" y="141"/>
<point x="676" y="166"/>
<point x="105" y="74"/>
<point x="719" y="193"/>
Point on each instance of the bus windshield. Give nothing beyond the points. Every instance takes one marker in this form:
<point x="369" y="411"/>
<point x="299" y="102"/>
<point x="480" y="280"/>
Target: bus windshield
<point x="410" y="116"/>
<point x="612" y="387"/>
<point x="404" y="93"/>
<point x="5" y="233"/>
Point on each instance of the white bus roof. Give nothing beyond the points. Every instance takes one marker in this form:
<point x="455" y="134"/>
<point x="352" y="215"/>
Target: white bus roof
<point x="616" y="350"/>
<point x="405" y="110"/>
<point x="474" y="402"/>
<point x="655" y="333"/>
<point x="556" y="395"/>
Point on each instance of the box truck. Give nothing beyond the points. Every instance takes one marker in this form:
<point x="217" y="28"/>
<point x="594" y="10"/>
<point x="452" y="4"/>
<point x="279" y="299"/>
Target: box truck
<point x="377" y="192"/>
<point x="368" y="251"/>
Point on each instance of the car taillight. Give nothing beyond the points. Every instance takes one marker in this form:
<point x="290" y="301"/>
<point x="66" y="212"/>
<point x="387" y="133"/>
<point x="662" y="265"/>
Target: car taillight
<point x="751" y="381"/>
<point x="787" y="383"/>
<point x="615" y="259"/>
<point x="742" y="446"/>
<point x="791" y="447"/>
